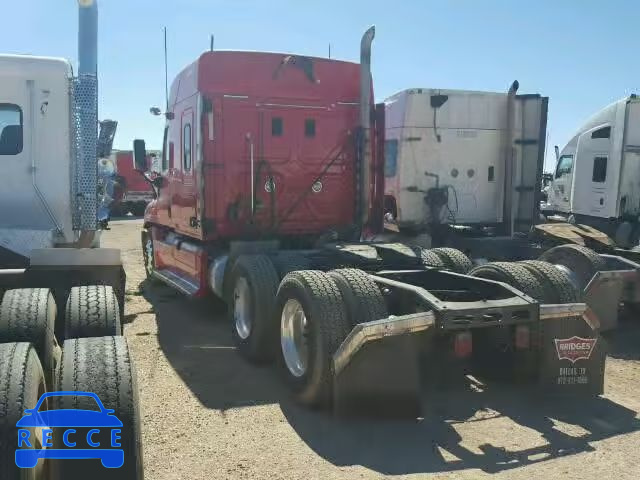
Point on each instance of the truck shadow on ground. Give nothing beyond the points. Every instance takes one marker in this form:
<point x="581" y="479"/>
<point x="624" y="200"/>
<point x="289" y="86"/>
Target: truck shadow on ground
<point x="432" y="444"/>
<point x="624" y="341"/>
<point x="196" y="338"/>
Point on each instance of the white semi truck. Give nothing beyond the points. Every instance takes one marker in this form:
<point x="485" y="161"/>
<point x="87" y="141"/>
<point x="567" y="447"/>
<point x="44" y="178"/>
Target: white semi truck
<point x="456" y="157"/>
<point x="597" y="176"/>
<point x="57" y="287"/>
<point x="464" y="169"/>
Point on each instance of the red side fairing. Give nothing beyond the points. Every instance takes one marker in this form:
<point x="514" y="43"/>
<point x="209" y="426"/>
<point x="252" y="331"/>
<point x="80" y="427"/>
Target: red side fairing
<point x="187" y="260"/>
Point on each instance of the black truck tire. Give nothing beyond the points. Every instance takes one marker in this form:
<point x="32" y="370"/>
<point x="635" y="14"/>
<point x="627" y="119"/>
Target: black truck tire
<point x="115" y="210"/>
<point x="523" y="365"/>
<point x="21" y="385"/>
<point x="431" y="259"/>
<point x="29" y="315"/>
<point x="103" y="366"/>
<point x="556" y="284"/>
<point x="512" y="274"/>
<point x="92" y="311"/>
<point x="138" y="209"/>
<point x="362" y="298"/>
<point x="326" y="326"/>
<point x="286" y="262"/>
<point x="454" y="259"/>
<point x="148" y="256"/>
<point x="582" y="261"/>
<point x="253" y="287"/>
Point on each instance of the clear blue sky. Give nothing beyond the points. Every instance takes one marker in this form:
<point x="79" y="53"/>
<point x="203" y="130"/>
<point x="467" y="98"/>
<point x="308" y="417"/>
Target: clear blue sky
<point x="582" y="54"/>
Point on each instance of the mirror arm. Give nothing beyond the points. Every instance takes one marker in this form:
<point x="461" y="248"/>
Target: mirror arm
<point x="150" y="181"/>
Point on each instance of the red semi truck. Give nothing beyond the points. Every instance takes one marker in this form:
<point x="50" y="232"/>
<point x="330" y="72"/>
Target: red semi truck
<point x="271" y="179"/>
<point x="132" y="192"/>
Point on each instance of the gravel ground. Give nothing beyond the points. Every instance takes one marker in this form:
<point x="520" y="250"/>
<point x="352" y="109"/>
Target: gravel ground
<point x="208" y="414"/>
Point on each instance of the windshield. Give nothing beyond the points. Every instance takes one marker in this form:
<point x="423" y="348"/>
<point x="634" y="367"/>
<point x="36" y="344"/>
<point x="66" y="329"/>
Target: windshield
<point x="10" y="129"/>
<point x="565" y="166"/>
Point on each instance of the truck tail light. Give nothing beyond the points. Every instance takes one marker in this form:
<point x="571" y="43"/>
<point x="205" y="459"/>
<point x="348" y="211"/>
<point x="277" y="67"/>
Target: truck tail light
<point x="523" y="337"/>
<point x="462" y="344"/>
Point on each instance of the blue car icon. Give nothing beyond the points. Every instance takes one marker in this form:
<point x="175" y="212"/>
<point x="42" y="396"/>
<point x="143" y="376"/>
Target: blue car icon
<point x="67" y="419"/>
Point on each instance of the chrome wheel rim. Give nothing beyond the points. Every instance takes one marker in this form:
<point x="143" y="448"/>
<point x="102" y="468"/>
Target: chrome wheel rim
<point x="148" y="247"/>
<point x="293" y="337"/>
<point x="242" y="308"/>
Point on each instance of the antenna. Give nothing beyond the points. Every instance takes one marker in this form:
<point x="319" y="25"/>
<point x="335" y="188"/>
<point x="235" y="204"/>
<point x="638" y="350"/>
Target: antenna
<point x="212" y="38"/>
<point x="166" y="74"/>
<point x="329" y="50"/>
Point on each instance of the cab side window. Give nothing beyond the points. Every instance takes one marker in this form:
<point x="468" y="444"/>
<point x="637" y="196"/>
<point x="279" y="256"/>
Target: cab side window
<point x="565" y="166"/>
<point x="186" y="147"/>
<point x="10" y="129"/>
<point x="165" y="150"/>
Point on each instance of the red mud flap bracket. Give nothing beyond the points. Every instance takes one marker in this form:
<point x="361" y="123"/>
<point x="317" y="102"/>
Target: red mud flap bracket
<point x="376" y="367"/>
<point x="573" y="354"/>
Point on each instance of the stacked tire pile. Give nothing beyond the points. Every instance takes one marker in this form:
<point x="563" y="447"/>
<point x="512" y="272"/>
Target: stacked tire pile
<point x="89" y="354"/>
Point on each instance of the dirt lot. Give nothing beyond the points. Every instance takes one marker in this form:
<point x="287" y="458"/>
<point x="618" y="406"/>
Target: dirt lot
<point x="208" y="414"/>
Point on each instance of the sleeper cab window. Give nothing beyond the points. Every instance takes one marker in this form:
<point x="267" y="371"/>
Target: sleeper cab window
<point x="390" y="158"/>
<point x="186" y="149"/>
<point x="604" y="132"/>
<point x="310" y="128"/>
<point x="599" y="170"/>
<point x="10" y="129"/>
<point x="277" y="127"/>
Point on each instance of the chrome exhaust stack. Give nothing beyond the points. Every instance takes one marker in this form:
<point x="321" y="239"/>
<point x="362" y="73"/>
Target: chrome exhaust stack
<point x="365" y="146"/>
<point x="508" y="216"/>
<point x="86" y="123"/>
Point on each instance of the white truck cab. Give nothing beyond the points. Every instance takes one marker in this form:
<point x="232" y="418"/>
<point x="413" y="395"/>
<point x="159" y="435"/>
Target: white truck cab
<point x="35" y="152"/>
<point x="597" y="175"/>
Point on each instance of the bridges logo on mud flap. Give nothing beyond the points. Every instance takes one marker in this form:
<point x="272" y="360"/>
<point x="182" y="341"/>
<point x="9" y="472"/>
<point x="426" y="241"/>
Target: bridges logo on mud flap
<point x="79" y="433"/>
<point x="575" y="348"/>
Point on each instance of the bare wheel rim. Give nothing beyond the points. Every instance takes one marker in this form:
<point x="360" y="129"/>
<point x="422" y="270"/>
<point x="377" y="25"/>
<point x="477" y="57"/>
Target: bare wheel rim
<point x="293" y="337"/>
<point x="242" y="308"/>
<point x="148" y="247"/>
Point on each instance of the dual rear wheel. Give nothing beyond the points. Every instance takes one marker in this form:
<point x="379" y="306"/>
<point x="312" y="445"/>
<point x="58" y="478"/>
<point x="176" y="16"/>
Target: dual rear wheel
<point x="299" y="322"/>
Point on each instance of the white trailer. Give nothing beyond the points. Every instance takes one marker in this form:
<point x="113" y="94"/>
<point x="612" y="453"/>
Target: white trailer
<point x="597" y="176"/>
<point x="464" y="158"/>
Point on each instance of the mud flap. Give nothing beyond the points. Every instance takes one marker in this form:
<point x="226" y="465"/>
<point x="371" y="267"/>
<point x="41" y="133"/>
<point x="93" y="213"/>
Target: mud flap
<point x="376" y="369"/>
<point x="573" y="353"/>
<point x="603" y="294"/>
